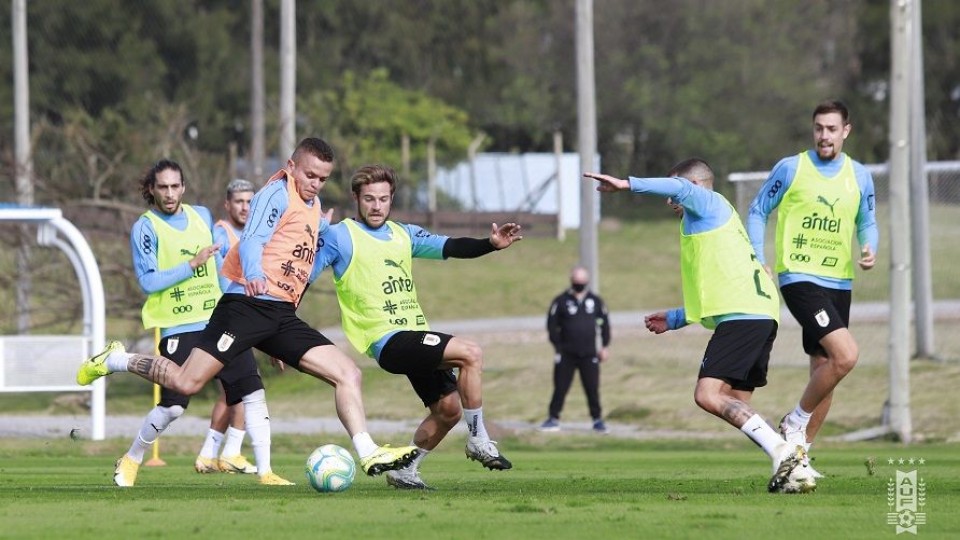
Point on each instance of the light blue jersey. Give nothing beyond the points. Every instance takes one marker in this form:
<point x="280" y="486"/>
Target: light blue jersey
<point x="221" y="237"/>
<point x="143" y="246"/>
<point x="703" y="210"/>
<point x="771" y="194"/>
<point x="337" y="252"/>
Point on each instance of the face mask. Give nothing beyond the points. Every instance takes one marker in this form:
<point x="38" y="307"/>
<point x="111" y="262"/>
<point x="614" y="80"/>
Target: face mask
<point x="578" y="287"/>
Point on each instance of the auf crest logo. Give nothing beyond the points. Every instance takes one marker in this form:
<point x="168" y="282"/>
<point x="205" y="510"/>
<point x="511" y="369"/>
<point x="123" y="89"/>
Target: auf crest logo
<point x="828" y="204"/>
<point x="394" y="264"/>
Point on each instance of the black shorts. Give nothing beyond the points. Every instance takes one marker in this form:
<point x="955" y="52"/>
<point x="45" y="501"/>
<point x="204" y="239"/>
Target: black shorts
<point x="739" y="351"/>
<point x="239" y="378"/>
<point x="418" y="355"/>
<point x="242" y="322"/>
<point x="819" y="311"/>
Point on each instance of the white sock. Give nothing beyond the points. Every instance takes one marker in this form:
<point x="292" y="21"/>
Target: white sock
<point x="806" y="446"/>
<point x="117" y="361"/>
<point x="799" y="418"/>
<point x="363" y="444"/>
<point x="234" y="439"/>
<point x="257" y="421"/>
<point x="415" y="464"/>
<point x="761" y="433"/>
<point x="211" y="445"/>
<point x="156" y="421"/>
<point x="475" y="427"/>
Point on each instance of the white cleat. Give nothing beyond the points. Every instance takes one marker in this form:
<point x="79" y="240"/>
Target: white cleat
<point x="789" y="457"/>
<point x="406" y="478"/>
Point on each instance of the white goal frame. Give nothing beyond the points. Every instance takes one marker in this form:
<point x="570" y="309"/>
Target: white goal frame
<point x="43" y="363"/>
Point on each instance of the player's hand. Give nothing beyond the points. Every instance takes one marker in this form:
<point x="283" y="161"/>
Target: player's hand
<point x="607" y="183"/>
<point x="328" y="215"/>
<point x="769" y="272"/>
<point x="656" y="322"/>
<point x="201" y="257"/>
<point x="867" y="258"/>
<point x="504" y="235"/>
<point x="277" y="363"/>
<point x="255" y="287"/>
<point x="603" y="354"/>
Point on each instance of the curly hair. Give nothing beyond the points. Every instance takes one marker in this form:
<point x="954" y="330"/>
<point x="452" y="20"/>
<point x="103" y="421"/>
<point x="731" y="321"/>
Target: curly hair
<point x="149" y="180"/>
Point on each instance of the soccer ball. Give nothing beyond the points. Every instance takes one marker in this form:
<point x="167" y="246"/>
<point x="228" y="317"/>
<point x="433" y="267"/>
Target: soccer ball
<point x="330" y="468"/>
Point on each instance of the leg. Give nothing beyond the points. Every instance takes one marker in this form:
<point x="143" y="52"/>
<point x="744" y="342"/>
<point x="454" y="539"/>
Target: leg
<point x="825" y="374"/>
<point x="563" y="371"/>
<point x="206" y="461"/>
<point x="220" y="416"/>
<point x="590" y="379"/>
<point x="467" y="356"/>
<point x="443" y="416"/>
<point x="718" y="398"/>
<point x="332" y="366"/>
<point x="188" y="379"/>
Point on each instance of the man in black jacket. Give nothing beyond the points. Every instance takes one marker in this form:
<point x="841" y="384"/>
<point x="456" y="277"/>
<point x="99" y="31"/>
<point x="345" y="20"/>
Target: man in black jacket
<point x="579" y="329"/>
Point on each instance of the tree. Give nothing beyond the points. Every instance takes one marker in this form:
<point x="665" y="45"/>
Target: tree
<point x="366" y="116"/>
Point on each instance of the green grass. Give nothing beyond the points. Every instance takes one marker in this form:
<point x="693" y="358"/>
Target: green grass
<point x="565" y="488"/>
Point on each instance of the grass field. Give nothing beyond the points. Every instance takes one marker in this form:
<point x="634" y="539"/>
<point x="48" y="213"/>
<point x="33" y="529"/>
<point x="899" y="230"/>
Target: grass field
<point x="562" y="487"/>
<point x="597" y="487"/>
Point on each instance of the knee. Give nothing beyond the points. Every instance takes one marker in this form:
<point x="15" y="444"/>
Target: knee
<point x="847" y="362"/>
<point x="705" y="399"/>
<point x="352" y="376"/>
<point x="844" y="362"/>
<point x="189" y="388"/>
<point x="473" y="356"/>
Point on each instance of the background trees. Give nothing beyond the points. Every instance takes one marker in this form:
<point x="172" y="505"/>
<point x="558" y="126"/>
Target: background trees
<point x="115" y="85"/>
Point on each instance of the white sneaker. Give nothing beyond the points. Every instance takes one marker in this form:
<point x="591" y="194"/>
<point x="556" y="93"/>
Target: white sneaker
<point x="487" y="453"/>
<point x="791" y="433"/>
<point x="789" y="457"/>
<point x="406" y="478"/>
<point x="813" y="472"/>
<point x="800" y="480"/>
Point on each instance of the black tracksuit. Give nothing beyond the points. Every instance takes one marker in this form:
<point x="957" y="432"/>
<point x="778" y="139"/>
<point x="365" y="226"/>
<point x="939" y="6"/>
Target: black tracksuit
<point x="574" y="326"/>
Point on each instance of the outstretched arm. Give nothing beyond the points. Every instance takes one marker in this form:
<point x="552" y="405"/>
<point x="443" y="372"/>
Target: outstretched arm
<point x="501" y="237"/>
<point x="607" y="183"/>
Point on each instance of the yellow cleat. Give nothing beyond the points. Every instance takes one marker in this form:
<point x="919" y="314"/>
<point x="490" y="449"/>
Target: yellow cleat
<point x="236" y="464"/>
<point x="96" y="366"/>
<point x="272" y="479"/>
<point x="205" y="465"/>
<point x="125" y="475"/>
<point x="387" y="458"/>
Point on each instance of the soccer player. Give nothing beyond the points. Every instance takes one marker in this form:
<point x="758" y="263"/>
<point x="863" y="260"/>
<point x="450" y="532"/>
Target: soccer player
<point x="269" y="269"/>
<point x="176" y="264"/>
<point x="824" y="197"/>
<point x="372" y="265"/>
<point x="724" y="289"/>
<point x="227" y="423"/>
